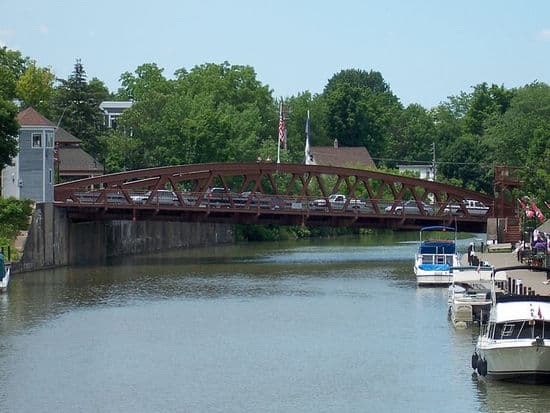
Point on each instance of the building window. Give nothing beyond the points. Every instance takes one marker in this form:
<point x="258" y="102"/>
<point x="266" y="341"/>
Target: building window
<point x="36" y="140"/>
<point x="49" y="139"/>
<point x="50" y="175"/>
<point x="113" y="121"/>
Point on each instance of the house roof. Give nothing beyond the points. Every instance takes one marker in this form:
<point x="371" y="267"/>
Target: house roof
<point x="62" y="136"/>
<point x="74" y="160"/>
<point x="30" y="117"/>
<point x="342" y="156"/>
<point x="115" y="105"/>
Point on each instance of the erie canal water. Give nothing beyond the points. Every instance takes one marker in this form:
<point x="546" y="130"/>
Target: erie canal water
<point x="307" y="326"/>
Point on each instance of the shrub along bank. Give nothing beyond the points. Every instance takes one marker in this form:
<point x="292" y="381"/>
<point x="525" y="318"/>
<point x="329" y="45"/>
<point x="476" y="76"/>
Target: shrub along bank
<point x="14" y="217"/>
<point x="282" y="233"/>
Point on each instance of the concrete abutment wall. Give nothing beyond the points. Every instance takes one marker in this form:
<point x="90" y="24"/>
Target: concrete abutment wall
<point x="55" y="241"/>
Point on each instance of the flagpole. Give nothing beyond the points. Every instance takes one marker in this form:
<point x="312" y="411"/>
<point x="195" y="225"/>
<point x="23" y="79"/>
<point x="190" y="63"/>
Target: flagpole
<point x="279" y="134"/>
<point x="307" y="149"/>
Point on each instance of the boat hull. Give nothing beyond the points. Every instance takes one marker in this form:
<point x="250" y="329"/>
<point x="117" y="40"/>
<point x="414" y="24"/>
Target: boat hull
<point x="435" y="275"/>
<point x="5" y="281"/>
<point x="434" y="278"/>
<point x="524" y="360"/>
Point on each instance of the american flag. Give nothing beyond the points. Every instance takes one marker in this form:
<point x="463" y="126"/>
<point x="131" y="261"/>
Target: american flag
<point x="282" y="127"/>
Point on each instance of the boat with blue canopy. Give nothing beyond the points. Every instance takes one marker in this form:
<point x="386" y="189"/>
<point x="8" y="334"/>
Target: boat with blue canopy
<point x="436" y="255"/>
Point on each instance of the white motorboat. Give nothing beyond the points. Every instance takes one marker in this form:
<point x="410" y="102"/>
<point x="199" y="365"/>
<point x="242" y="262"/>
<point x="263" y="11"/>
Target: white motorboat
<point x="5" y="279"/>
<point x="515" y="344"/>
<point x="469" y="294"/>
<point x="436" y="256"/>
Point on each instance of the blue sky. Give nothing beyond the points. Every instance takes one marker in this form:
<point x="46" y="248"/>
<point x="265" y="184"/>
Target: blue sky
<point x="426" y="50"/>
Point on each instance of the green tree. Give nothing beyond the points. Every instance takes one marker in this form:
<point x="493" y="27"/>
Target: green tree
<point x="466" y="163"/>
<point x="13" y="61"/>
<point x="146" y="79"/>
<point x="297" y="108"/>
<point x="9" y="128"/>
<point x="35" y="87"/>
<point x="12" y="65"/>
<point x="521" y="137"/>
<point x="211" y="113"/>
<point x="76" y="108"/>
<point x="360" y="110"/>
<point x="413" y="134"/>
<point x="486" y="103"/>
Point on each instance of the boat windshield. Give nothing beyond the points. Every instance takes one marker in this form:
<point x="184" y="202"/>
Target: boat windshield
<point x="529" y="329"/>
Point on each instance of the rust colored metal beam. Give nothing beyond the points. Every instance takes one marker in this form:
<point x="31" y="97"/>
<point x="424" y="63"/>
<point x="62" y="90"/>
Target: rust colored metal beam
<point x="287" y="190"/>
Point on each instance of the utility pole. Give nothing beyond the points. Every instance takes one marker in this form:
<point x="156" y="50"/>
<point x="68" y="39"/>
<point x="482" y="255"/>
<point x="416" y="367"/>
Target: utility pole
<point x="433" y="161"/>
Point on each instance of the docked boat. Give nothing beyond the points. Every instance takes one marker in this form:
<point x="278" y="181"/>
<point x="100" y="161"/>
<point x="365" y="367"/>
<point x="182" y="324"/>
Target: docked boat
<point x="515" y="344"/>
<point x="469" y="295"/>
<point x="4" y="281"/>
<point x="436" y="256"/>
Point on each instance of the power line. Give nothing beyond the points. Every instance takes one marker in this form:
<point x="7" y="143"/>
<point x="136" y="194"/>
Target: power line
<point x="428" y="162"/>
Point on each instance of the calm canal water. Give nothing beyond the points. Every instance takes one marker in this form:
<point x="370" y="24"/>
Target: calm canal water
<point x="310" y="326"/>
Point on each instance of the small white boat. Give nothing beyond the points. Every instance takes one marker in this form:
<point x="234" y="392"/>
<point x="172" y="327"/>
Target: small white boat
<point x="436" y="256"/>
<point x="5" y="280"/>
<point x="469" y="295"/>
<point x="515" y="344"/>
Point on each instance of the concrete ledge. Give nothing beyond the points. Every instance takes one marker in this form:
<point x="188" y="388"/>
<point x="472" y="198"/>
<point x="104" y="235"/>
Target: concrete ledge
<point x="504" y="247"/>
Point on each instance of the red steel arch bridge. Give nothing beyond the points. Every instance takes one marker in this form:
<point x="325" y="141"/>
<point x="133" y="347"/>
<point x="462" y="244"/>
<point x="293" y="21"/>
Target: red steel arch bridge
<point x="281" y="194"/>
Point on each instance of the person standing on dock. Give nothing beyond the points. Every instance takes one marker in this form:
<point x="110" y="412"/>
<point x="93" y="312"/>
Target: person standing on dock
<point x="470" y="253"/>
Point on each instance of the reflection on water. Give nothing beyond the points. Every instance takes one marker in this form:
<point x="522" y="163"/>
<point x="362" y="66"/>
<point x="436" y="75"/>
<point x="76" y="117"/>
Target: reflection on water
<point x="330" y="325"/>
<point x="512" y="398"/>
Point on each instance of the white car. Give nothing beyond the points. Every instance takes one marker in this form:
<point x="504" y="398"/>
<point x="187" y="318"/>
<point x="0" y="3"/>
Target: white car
<point x="474" y="208"/>
<point x="337" y="201"/>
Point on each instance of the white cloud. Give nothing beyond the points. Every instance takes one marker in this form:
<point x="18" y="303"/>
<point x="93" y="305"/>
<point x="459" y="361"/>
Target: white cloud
<point x="44" y="29"/>
<point x="544" y="34"/>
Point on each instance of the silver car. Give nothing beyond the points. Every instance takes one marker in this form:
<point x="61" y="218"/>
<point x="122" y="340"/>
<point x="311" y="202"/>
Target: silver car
<point x="411" y="208"/>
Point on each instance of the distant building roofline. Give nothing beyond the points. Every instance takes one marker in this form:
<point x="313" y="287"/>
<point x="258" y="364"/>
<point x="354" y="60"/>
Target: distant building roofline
<point x="113" y="104"/>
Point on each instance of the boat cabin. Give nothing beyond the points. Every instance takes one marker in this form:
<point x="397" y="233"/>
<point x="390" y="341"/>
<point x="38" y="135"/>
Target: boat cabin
<point x="517" y="317"/>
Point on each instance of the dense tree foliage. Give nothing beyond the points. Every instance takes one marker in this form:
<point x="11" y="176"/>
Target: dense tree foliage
<point x="35" y="87"/>
<point x="12" y="66"/>
<point x="210" y="113"/>
<point x="360" y="110"/>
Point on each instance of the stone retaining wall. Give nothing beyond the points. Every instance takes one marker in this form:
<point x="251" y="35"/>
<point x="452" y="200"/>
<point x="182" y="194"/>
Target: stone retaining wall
<point x="54" y="241"/>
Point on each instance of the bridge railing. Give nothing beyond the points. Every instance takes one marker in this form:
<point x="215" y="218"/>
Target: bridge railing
<point x="261" y="203"/>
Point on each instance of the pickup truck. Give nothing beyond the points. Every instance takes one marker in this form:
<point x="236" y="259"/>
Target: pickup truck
<point x="474" y="208"/>
<point x="337" y="201"/>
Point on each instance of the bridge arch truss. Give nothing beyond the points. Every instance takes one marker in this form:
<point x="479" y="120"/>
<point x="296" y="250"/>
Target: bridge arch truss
<point x="268" y="193"/>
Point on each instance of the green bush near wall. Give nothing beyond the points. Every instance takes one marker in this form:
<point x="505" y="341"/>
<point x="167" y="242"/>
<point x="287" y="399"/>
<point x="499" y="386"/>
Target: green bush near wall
<point x="14" y="217"/>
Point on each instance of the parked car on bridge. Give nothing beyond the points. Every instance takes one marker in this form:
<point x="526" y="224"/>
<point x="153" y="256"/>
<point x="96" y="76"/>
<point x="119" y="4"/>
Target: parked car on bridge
<point x="162" y="197"/>
<point x="410" y="208"/>
<point x="474" y="208"/>
<point x="219" y="196"/>
<point x="337" y="201"/>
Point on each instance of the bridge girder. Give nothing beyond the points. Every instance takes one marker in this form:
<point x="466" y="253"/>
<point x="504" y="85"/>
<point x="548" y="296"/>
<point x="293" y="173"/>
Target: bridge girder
<point x="293" y="186"/>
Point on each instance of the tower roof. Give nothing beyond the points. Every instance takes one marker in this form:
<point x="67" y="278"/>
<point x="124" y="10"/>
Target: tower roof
<point x="30" y="117"/>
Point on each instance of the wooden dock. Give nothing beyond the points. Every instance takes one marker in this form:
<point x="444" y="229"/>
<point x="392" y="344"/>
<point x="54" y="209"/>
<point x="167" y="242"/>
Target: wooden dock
<point x="531" y="281"/>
